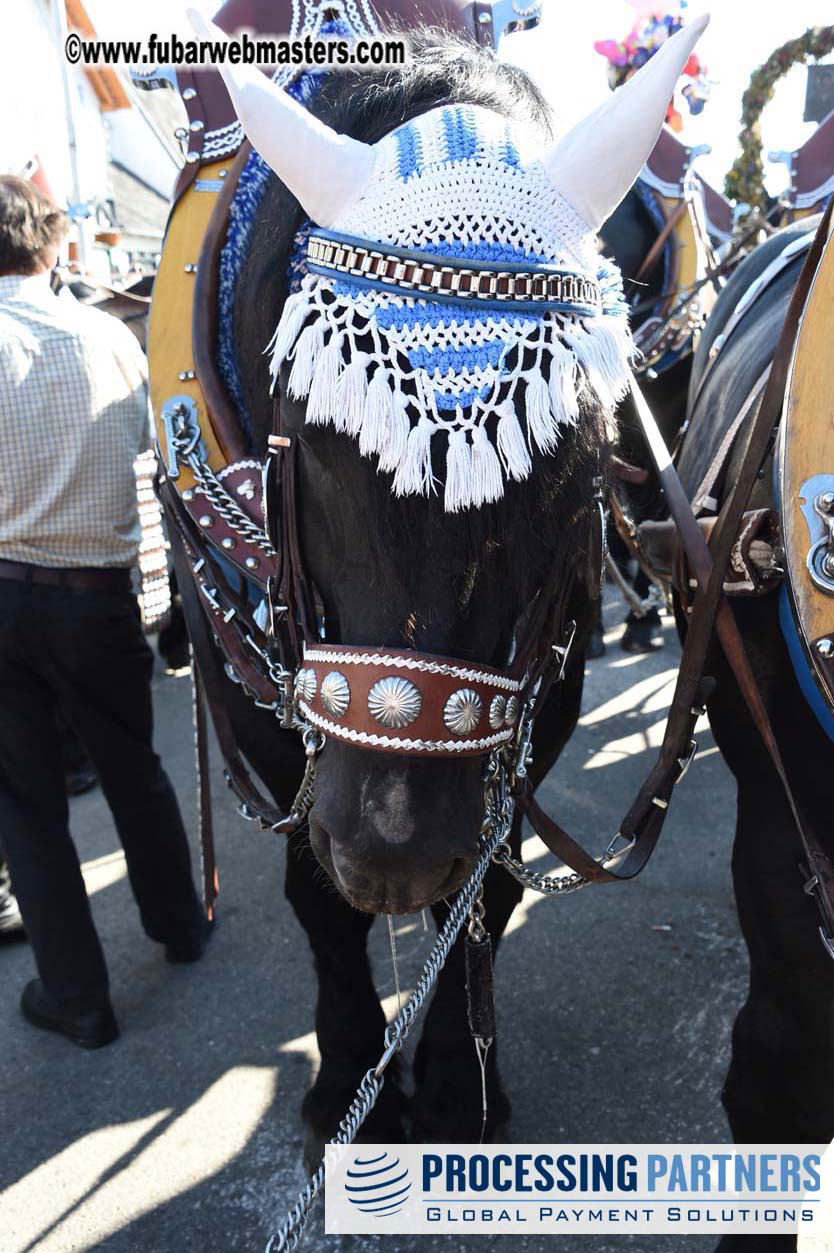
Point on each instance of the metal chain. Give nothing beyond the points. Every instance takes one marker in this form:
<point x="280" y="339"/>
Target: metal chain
<point x="502" y="780"/>
<point x="498" y="817"/>
<point x="468" y="907"/>
<point x="656" y="598"/>
<point x="211" y="487"/>
<point x="476" y="930"/>
<point x="290" y="1235"/>
<point x="228" y="508"/>
<point x="547" y="885"/>
<point x="314" y="741"/>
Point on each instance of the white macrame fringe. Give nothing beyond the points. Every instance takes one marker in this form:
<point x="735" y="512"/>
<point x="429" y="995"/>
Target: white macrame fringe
<point x="604" y="356"/>
<point x="542" y="423"/>
<point x="351" y="393"/>
<point x="293" y="317"/>
<point x="359" y="393"/>
<point x="564" y="400"/>
<point x="378" y="416"/>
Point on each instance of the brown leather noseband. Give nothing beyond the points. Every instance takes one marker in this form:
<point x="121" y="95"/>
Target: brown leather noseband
<point x="406" y="702"/>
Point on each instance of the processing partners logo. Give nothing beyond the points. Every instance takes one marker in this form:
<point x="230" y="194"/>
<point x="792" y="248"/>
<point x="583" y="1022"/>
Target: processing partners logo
<point x="680" y="1189"/>
<point x="377" y="1183"/>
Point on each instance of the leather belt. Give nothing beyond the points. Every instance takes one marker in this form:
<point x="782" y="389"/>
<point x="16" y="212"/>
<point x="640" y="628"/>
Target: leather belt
<point x="75" y="579"/>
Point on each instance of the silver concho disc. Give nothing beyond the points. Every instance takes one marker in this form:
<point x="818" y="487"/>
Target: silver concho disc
<point x="462" y="712"/>
<point x="497" y="712"/>
<point x="394" y="702"/>
<point x="511" y="712"/>
<point x="335" y="693"/>
<point x="305" y="685"/>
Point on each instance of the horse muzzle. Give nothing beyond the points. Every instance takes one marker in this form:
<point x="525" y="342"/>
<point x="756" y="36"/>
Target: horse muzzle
<point x="395" y="837"/>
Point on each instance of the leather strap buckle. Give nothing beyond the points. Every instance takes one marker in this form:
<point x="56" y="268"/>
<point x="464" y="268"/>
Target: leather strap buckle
<point x="686" y="762"/>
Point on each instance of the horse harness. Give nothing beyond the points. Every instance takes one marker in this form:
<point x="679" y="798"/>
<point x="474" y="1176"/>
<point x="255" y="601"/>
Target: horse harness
<point x="674" y="198"/>
<point x="755" y="565"/>
<point x="238" y="526"/>
<point x="234" y="530"/>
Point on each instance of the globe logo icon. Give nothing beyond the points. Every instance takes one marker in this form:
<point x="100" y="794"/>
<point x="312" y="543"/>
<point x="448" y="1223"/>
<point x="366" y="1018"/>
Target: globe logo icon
<point x="378" y="1184"/>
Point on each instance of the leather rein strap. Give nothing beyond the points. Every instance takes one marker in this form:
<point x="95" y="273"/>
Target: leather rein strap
<point x="660" y="243"/>
<point x="641" y="825"/>
<point x="213" y="680"/>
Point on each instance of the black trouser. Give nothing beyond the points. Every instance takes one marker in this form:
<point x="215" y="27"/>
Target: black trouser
<point x="85" y="652"/>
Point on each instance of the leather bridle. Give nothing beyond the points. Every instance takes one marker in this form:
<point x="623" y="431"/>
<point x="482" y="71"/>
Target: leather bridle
<point x="418" y="704"/>
<point x="392" y="699"/>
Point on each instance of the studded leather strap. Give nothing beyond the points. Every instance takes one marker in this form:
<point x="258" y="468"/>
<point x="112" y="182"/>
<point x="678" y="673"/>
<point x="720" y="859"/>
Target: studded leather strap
<point x="411" y="273"/>
<point x="402" y="701"/>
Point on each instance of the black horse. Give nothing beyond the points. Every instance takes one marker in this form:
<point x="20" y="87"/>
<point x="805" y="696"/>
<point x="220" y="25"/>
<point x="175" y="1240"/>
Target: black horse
<point x="780" y="1084"/>
<point x="395" y="835"/>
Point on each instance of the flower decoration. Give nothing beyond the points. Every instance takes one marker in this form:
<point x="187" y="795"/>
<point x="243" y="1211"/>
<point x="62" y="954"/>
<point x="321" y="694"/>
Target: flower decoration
<point x="652" y="26"/>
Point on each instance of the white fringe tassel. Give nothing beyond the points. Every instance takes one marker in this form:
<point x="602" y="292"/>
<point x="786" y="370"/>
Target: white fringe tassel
<point x="392" y="453"/>
<point x="305" y="355"/>
<point x="351" y="393"/>
<point x="564" y="400"/>
<point x="487" y="480"/>
<point x="604" y="356"/>
<point x="378" y="415"/>
<point x="458" y="494"/>
<point x="293" y="317"/>
<point x="512" y="446"/>
<point x="541" y="421"/>
<point x="358" y="393"/>
<point x="321" y="403"/>
<point x="413" y="476"/>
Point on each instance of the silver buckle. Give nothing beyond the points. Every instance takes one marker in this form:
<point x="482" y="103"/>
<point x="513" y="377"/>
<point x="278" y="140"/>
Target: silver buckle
<point x="613" y="852"/>
<point x="686" y="762"/>
<point x="562" y="651"/>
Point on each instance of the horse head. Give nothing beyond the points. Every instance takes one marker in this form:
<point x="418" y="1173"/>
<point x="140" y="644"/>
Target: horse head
<point x="446" y="453"/>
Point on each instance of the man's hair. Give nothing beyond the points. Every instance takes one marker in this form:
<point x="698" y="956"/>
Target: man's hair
<point x="30" y="226"/>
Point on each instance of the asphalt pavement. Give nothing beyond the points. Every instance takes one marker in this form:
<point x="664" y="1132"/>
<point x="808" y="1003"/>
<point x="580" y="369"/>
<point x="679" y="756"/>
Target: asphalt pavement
<point x="615" y="1007"/>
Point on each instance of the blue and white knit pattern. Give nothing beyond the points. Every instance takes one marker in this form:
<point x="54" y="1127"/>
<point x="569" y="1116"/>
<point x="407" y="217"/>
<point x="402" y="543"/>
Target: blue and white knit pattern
<point x="395" y="371"/>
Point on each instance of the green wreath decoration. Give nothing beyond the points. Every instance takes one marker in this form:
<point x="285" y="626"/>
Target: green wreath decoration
<point x="745" y="181"/>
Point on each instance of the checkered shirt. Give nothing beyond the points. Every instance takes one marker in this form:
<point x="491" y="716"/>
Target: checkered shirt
<point x="73" y="418"/>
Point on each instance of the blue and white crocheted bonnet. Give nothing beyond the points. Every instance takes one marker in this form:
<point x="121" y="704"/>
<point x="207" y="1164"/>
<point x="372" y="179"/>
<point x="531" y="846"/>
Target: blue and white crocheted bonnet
<point x="398" y="372"/>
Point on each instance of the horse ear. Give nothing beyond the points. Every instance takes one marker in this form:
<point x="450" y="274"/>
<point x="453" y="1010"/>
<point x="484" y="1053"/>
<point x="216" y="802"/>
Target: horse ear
<point x="325" y="171"/>
<point x="595" y="164"/>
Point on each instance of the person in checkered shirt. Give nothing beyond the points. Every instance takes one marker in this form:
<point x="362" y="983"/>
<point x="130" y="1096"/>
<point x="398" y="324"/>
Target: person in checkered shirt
<point x="73" y="417"/>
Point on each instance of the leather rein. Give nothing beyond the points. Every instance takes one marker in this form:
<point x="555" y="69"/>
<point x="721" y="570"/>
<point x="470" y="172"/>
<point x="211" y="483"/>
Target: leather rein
<point x="411" y="703"/>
